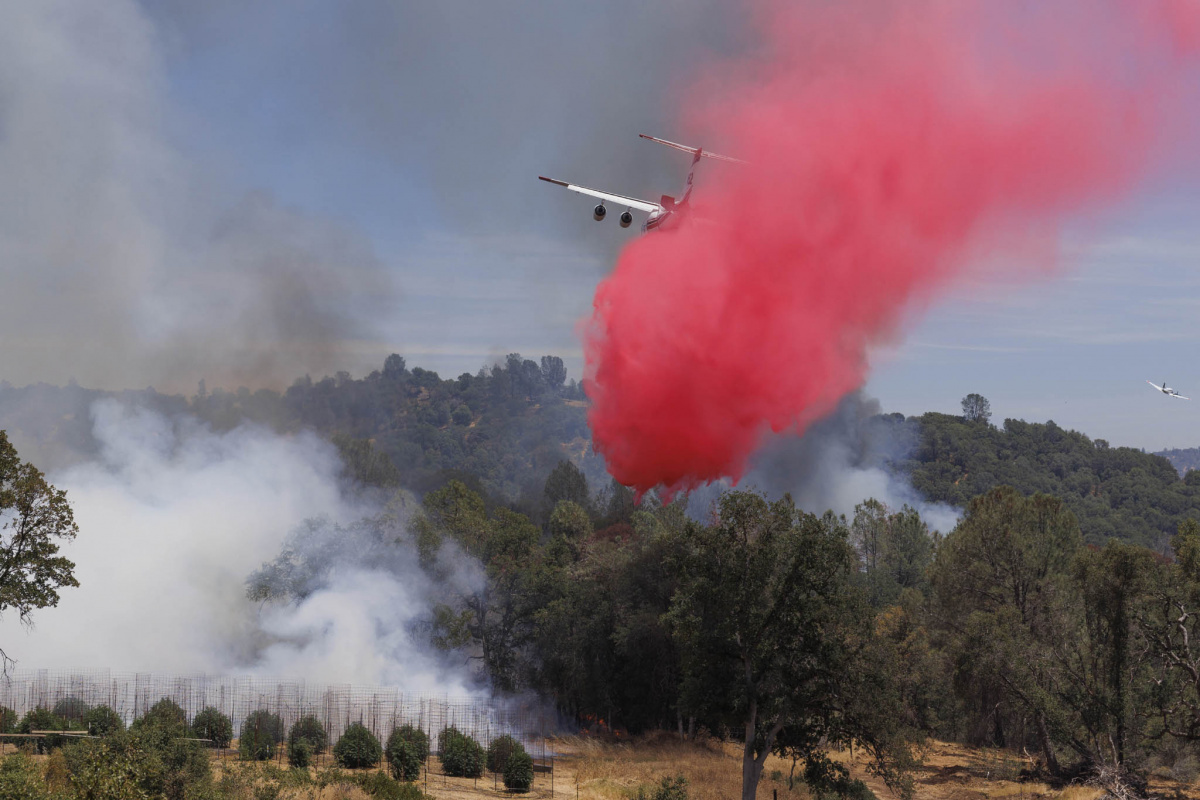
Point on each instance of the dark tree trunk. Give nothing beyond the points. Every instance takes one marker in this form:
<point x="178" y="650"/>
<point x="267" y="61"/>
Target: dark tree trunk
<point x="1043" y="735"/>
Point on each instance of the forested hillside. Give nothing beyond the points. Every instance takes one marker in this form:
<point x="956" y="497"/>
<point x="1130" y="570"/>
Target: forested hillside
<point x="505" y="427"/>
<point x="1114" y="491"/>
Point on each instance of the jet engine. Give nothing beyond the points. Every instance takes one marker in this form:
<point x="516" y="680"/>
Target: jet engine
<point x="626" y="219"/>
<point x="598" y="212"/>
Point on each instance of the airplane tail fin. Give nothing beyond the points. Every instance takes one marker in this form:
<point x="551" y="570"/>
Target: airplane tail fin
<point x="695" y="151"/>
<point x="697" y="154"/>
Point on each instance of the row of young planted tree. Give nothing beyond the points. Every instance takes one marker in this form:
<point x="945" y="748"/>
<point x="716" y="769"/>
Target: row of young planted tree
<point x="163" y="755"/>
<point x="798" y="634"/>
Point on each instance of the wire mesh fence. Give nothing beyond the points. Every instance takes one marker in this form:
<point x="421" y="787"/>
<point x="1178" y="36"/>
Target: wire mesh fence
<point x="380" y="709"/>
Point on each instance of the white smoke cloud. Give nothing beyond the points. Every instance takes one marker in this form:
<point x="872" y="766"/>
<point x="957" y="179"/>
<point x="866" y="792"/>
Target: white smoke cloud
<point x="173" y="518"/>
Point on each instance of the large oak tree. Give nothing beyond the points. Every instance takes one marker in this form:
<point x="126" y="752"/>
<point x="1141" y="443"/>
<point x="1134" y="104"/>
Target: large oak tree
<point x="34" y="518"/>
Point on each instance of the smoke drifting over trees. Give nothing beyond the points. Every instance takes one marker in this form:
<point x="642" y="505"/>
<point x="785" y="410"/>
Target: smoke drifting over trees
<point x="177" y="517"/>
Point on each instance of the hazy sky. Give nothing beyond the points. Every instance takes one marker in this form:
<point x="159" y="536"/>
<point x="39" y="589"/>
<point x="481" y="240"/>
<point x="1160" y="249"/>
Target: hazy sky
<point x="244" y="192"/>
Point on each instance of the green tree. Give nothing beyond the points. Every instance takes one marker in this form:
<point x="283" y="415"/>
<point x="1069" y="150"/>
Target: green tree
<point x="894" y="550"/>
<point x="365" y="463"/>
<point x="394" y="367"/>
<point x="357" y="748"/>
<point x="566" y="482"/>
<point x="1107" y="665"/>
<point x="311" y="730"/>
<point x="499" y="751"/>
<point x="769" y="627"/>
<point x="554" y="373"/>
<point x="569" y="527"/>
<point x="518" y="771"/>
<point x="42" y="719"/>
<point x="976" y="408"/>
<point x="1171" y="625"/>
<point x="497" y="616"/>
<point x="165" y="714"/>
<point x="211" y="724"/>
<point x="461" y="756"/>
<point x="261" y="733"/>
<point x="34" y="518"/>
<point x="1002" y="585"/>
<point x="103" y="721"/>
<point x="406" y="751"/>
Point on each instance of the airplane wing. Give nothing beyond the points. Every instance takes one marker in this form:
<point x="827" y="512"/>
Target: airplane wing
<point x="1155" y="385"/>
<point x="1181" y="397"/>
<point x="616" y="199"/>
<point x="692" y="150"/>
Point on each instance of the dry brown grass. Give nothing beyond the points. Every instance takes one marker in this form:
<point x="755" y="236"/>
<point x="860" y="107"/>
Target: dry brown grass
<point x="590" y="769"/>
<point x="614" y="770"/>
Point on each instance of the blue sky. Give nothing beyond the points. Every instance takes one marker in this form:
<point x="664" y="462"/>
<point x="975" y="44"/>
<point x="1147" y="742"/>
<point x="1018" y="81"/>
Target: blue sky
<point x="390" y="151"/>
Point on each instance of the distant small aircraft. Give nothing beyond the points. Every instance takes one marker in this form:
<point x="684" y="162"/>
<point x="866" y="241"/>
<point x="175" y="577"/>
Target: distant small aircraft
<point x="665" y="211"/>
<point x="1167" y="390"/>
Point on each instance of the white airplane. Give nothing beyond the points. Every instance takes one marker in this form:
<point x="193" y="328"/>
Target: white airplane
<point x="662" y="213"/>
<point x="1167" y="390"/>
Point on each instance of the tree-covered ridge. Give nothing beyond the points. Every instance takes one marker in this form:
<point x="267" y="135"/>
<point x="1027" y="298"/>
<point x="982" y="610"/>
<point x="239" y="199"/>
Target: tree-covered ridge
<point x="505" y="426"/>
<point x="1115" y="492"/>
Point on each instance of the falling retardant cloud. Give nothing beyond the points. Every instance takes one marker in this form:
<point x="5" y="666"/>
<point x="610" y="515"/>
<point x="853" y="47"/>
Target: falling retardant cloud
<point x="892" y="147"/>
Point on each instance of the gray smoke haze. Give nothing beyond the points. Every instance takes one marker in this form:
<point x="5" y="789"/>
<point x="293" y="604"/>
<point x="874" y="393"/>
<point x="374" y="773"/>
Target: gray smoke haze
<point x="175" y="518"/>
<point x="185" y="185"/>
<point x="123" y="262"/>
<point x="840" y="461"/>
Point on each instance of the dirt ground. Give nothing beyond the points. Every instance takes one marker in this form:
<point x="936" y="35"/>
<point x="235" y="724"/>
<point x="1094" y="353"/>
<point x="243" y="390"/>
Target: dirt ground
<point x="588" y="769"/>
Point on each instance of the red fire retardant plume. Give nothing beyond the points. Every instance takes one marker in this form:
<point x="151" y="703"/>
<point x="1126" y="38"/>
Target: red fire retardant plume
<point x="891" y="145"/>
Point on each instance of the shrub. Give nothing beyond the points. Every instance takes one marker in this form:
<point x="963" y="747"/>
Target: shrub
<point x="667" y="789"/>
<point x="137" y="766"/>
<point x="310" y="729"/>
<point x="71" y="708"/>
<point x="381" y="787"/>
<point x="8" y="720"/>
<point x="300" y="753"/>
<point x="91" y="762"/>
<point x="261" y="732"/>
<point x="103" y="721"/>
<point x="357" y="748"/>
<point x="20" y="777"/>
<point x="499" y="750"/>
<point x="185" y="767"/>
<point x="211" y="724"/>
<point x="518" y="771"/>
<point x="462" y="756"/>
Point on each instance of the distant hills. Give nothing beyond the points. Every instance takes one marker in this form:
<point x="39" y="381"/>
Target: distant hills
<point x="1182" y="459"/>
